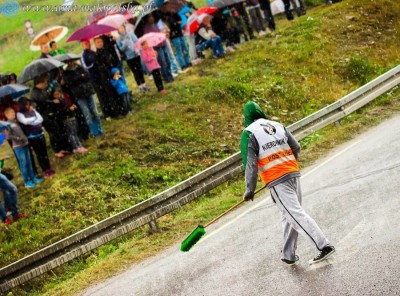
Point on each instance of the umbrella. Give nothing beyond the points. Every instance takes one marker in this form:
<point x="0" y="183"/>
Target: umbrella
<point x="132" y="8"/>
<point x="146" y="9"/>
<point x="182" y="13"/>
<point x="102" y="12"/>
<point x="194" y="21"/>
<point x="90" y="31"/>
<point x="114" y="20"/>
<point x="130" y="4"/>
<point x="13" y="90"/>
<point x="153" y="39"/>
<point x="53" y="33"/>
<point x="173" y="5"/>
<point x="207" y="10"/>
<point x="224" y="3"/>
<point x="37" y="68"/>
<point x="66" y="57"/>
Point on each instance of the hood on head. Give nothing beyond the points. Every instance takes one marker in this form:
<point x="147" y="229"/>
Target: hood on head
<point x="114" y="70"/>
<point x="252" y="111"/>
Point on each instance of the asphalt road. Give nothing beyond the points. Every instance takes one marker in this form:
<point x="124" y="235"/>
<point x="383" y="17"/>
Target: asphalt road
<point x="353" y="194"/>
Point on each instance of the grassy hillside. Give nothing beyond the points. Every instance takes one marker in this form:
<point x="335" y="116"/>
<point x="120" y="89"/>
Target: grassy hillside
<point x="305" y="65"/>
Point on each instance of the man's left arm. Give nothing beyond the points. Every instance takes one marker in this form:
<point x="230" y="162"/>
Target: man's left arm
<point x="294" y="145"/>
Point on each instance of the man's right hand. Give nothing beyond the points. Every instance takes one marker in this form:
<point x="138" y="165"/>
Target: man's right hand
<point x="248" y="196"/>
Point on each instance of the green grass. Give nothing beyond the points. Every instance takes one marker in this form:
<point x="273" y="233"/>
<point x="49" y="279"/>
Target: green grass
<point x="304" y="66"/>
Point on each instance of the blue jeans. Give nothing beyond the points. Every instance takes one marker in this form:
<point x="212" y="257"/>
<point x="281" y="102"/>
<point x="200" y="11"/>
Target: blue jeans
<point x="89" y="110"/>
<point x="181" y="51"/>
<point x="215" y="44"/>
<point x="172" y="60"/>
<point x="25" y="163"/>
<point x="10" y="197"/>
<point x="163" y="60"/>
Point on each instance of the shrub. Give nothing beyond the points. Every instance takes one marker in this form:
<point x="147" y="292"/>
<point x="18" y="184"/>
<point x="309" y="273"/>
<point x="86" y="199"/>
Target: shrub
<point x="359" y="70"/>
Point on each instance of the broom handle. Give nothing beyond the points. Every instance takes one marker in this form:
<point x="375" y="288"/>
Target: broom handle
<point x="232" y="208"/>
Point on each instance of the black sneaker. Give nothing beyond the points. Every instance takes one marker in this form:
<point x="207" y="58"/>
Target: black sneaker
<point x="323" y="254"/>
<point x="290" y="262"/>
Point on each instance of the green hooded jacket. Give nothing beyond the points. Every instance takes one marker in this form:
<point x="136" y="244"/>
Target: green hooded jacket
<point x="251" y="111"/>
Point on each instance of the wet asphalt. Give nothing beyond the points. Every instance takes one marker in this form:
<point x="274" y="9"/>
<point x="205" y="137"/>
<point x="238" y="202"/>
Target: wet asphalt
<point x="354" y="196"/>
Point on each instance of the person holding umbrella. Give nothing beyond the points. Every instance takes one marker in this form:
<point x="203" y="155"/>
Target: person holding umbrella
<point x="265" y="6"/>
<point x="243" y="15"/>
<point x="222" y="26"/>
<point x="31" y="123"/>
<point x="253" y="7"/>
<point x="47" y="107"/>
<point x="108" y="98"/>
<point x="9" y="190"/>
<point x="208" y="38"/>
<point x="44" y="51"/>
<point x="88" y="62"/>
<point x="149" y="56"/>
<point x="78" y="82"/>
<point x="54" y="50"/>
<point x="161" y="49"/>
<point x="178" y="40"/>
<point x="126" y="42"/>
<point x="20" y="146"/>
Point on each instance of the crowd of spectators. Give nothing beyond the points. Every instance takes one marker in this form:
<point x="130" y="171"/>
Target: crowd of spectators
<point x="63" y="101"/>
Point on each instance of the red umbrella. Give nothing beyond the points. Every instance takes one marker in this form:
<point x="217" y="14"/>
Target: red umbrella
<point x="90" y="31"/>
<point x="194" y="21"/>
<point x="207" y="10"/>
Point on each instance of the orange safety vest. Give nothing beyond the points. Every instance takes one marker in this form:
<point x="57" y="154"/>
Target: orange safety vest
<point x="275" y="157"/>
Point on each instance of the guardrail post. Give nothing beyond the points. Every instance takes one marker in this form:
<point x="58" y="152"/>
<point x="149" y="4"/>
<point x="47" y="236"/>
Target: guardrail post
<point x="154" y="227"/>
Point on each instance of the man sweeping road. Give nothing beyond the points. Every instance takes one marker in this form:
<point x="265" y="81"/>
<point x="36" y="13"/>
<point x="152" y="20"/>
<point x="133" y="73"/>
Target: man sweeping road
<point x="269" y="148"/>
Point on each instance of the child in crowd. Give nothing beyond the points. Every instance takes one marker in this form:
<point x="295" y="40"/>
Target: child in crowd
<point x="119" y="84"/>
<point x="67" y="114"/>
<point x="149" y="57"/>
<point x="31" y="123"/>
<point x="10" y="193"/>
<point x="20" y="147"/>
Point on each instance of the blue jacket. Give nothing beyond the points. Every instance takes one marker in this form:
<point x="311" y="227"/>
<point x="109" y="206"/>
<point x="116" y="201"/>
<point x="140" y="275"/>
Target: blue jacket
<point x="120" y="84"/>
<point x="125" y="43"/>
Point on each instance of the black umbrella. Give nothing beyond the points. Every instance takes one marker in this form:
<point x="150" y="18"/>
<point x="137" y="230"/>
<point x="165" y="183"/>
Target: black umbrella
<point x="13" y="90"/>
<point x="37" y="68"/>
<point x="67" y="57"/>
<point x="146" y="9"/>
<point x="130" y="4"/>
<point x="172" y="5"/>
<point x="224" y="3"/>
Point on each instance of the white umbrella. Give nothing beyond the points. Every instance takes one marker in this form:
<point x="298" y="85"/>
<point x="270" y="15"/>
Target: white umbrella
<point x="53" y="33"/>
<point x="113" y="20"/>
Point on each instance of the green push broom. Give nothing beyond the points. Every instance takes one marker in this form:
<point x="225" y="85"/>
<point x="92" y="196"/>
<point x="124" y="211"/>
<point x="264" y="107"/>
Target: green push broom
<point x="197" y="234"/>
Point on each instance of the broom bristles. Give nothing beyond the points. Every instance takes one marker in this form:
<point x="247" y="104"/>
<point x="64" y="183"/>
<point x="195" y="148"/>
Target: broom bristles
<point x="193" y="238"/>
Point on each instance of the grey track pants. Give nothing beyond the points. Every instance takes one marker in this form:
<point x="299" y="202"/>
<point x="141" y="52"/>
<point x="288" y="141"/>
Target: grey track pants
<point x="295" y="220"/>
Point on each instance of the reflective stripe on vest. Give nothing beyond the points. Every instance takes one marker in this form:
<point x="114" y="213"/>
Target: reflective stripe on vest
<point x="275" y="157"/>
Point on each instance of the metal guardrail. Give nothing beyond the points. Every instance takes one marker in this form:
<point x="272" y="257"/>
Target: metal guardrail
<point x="173" y="198"/>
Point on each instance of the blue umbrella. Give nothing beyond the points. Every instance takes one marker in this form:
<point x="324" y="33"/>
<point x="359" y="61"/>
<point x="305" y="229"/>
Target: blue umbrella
<point x="13" y="90"/>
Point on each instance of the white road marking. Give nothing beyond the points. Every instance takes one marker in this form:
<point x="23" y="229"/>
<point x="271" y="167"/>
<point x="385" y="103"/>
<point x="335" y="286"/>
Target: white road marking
<point x="265" y="200"/>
